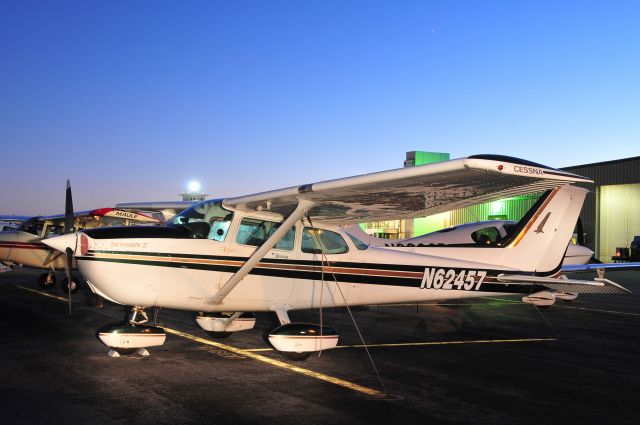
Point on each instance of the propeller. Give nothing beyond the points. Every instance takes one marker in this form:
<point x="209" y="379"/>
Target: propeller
<point x="68" y="210"/>
<point x="68" y="228"/>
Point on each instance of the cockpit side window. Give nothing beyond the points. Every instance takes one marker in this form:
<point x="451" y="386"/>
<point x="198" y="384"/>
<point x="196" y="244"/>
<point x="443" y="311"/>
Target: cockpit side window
<point x="53" y="230"/>
<point x="211" y="214"/>
<point x="316" y="241"/>
<point x="486" y="237"/>
<point x="255" y="232"/>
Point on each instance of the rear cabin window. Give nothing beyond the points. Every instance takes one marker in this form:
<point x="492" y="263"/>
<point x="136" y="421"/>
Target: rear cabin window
<point x="255" y="232"/>
<point x="358" y="243"/>
<point x="486" y="236"/>
<point x="316" y="241"/>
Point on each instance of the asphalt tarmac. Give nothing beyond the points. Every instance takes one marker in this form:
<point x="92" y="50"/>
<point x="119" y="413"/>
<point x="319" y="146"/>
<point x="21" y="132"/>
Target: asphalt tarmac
<point x="484" y="361"/>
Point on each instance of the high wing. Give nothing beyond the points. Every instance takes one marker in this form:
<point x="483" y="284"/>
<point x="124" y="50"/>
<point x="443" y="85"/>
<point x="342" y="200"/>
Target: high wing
<point x="413" y="191"/>
<point x="155" y="206"/>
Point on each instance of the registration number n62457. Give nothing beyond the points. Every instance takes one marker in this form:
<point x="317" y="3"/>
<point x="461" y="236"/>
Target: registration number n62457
<point x="466" y="280"/>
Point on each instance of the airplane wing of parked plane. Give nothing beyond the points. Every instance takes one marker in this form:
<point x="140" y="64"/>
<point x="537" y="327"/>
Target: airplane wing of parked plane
<point x="413" y="191"/>
<point x="102" y="212"/>
<point x="168" y="209"/>
<point x="14" y="218"/>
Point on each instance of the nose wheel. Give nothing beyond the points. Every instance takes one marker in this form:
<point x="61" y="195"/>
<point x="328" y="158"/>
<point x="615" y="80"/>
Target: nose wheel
<point x="72" y="286"/>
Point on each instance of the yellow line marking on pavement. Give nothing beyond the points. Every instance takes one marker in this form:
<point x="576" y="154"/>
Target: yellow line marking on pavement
<point x="42" y="293"/>
<point x="277" y="363"/>
<point x="419" y="344"/>
<point x="600" y="311"/>
<point x="246" y="353"/>
<point x="504" y="301"/>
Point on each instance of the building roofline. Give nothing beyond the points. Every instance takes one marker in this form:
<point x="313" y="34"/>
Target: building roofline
<point x="614" y="161"/>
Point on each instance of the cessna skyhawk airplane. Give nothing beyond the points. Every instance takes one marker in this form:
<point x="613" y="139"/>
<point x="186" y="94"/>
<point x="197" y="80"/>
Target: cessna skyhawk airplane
<point x="283" y="250"/>
<point x="23" y="246"/>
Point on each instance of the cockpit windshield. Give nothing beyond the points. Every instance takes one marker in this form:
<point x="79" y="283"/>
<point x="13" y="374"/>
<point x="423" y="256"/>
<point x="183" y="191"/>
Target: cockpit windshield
<point x="214" y="218"/>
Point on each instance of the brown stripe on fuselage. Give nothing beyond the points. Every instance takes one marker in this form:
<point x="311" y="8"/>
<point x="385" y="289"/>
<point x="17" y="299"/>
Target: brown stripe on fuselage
<point x="263" y="265"/>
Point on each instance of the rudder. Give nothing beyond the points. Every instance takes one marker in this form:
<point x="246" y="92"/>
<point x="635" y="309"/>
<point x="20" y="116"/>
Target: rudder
<point x="541" y="243"/>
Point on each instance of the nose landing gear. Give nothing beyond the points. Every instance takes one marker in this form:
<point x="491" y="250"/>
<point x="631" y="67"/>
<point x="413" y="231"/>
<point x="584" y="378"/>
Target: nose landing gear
<point x="67" y="286"/>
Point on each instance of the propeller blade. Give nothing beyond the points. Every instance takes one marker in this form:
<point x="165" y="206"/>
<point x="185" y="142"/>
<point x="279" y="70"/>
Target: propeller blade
<point x="67" y="267"/>
<point x="68" y="210"/>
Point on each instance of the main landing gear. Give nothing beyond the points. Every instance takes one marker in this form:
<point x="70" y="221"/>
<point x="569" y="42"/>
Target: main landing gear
<point x="47" y="280"/>
<point x="297" y="341"/>
<point x="546" y="298"/>
<point x="131" y="336"/>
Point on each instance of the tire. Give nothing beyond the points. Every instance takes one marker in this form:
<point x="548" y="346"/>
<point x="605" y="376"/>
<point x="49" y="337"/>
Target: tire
<point x="64" y="285"/>
<point x="44" y="284"/>
<point x="296" y="357"/>
<point x="219" y="335"/>
<point x="124" y="351"/>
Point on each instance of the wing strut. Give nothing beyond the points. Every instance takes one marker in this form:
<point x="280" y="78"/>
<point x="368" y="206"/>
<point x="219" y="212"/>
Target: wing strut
<point x="302" y="207"/>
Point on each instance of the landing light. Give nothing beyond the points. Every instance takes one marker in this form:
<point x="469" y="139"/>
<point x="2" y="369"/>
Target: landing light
<point x="194" y="186"/>
<point x="497" y="207"/>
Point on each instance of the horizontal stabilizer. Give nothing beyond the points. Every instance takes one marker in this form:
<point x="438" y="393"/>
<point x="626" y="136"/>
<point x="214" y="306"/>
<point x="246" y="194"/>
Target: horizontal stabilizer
<point x="575" y="286"/>
<point x="599" y="266"/>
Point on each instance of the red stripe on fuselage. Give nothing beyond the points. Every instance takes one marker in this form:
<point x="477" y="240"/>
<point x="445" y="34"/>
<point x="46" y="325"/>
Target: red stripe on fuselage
<point x="24" y="245"/>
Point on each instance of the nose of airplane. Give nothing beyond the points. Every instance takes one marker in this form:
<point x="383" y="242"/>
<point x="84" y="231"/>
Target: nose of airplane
<point x="583" y="250"/>
<point x="61" y="243"/>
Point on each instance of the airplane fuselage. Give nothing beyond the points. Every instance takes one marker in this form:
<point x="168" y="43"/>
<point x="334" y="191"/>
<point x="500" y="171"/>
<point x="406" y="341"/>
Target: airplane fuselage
<point x="186" y="273"/>
<point x="26" y="249"/>
<point x="198" y="262"/>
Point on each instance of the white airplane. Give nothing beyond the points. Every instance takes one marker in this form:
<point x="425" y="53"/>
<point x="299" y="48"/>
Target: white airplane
<point x="480" y="232"/>
<point x="24" y="245"/>
<point x="283" y="250"/>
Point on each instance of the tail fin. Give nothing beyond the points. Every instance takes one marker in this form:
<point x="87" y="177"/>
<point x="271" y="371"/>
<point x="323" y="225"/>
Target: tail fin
<point x="542" y="236"/>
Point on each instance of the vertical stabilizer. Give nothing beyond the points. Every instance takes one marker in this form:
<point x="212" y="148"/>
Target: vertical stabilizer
<point x="541" y="243"/>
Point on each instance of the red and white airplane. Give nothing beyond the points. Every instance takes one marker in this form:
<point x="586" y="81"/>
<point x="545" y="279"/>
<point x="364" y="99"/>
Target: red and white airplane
<point x="24" y="245"/>
<point x="284" y="250"/>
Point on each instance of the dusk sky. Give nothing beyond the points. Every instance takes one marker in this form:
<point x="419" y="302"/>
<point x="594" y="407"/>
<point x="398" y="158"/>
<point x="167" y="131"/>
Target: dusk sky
<point x="132" y="99"/>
